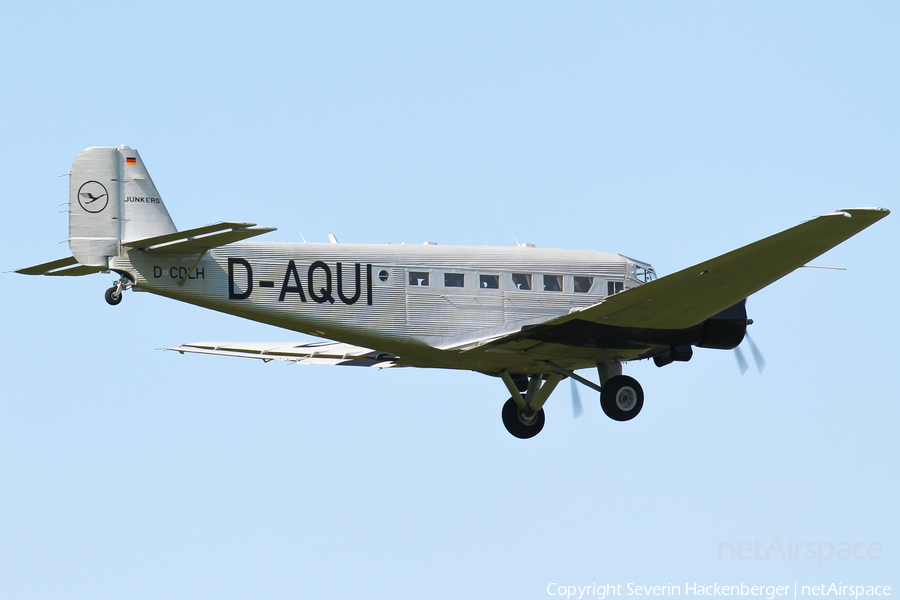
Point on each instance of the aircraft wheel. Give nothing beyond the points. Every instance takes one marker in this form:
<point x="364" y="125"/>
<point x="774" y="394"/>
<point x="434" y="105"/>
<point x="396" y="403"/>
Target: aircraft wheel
<point x="621" y="398"/>
<point x="112" y="297"/>
<point x="520" y="424"/>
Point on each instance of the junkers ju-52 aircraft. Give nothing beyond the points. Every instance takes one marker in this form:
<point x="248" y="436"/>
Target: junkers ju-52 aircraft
<point x="528" y="316"/>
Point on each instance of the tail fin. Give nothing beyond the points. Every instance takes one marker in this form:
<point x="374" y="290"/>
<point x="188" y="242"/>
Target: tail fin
<point x="111" y="200"/>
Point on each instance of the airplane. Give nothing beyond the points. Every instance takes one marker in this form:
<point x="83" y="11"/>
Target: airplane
<point x="529" y="316"/>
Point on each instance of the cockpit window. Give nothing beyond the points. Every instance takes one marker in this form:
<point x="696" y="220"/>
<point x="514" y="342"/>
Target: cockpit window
<point x="418" y="278"/>
<point x="490" y="282"/>
<point x="614" y="287"/>
<point x="522" y="281"/>
<point x="583" y="284"/>
<point x="643" y="272"/>
<point x="454" y="280"/>
<point x="552" y="283"/>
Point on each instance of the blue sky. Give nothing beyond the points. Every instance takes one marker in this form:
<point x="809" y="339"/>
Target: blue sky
<point x="666" y="132"/>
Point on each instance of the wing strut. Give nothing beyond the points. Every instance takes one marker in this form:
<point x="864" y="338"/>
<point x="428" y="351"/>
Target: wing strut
<point x="193" y="266"/>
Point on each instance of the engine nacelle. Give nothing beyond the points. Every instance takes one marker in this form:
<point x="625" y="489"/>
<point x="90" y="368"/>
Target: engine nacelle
<point x="725" y="330"/>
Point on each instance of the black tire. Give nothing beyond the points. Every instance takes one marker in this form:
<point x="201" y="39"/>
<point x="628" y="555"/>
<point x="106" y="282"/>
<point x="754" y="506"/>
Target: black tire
<point x="111" y="297"/>
<point x="519" y="424"/>
<point x="621" y="398"/>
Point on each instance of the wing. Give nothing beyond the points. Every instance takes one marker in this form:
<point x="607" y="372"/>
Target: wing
<point x="315" y="353"/>
<point x="686" y="298"/>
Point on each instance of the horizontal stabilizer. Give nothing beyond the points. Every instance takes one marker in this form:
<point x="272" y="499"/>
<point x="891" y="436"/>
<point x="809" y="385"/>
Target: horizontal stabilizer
<point x="315" y="353"/>
<point x="64" y="266"/>
<point x="201" y="239"/>
<point x="77" y="271"/>
<point x="48" y="266"/>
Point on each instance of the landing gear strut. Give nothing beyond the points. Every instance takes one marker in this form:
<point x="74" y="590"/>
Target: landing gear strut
<point x="114" y="294"/>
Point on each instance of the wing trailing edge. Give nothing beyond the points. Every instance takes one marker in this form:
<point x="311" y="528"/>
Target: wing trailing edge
<point x="319" y="353"/>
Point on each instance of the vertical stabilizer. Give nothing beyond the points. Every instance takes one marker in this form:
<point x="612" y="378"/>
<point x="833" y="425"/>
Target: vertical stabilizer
<point x="143" y="213"/>
<point x="112" y="199"/>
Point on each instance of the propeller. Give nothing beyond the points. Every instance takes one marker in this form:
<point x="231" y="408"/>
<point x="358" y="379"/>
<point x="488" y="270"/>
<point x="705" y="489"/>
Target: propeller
<point x="576" y="400"/>
<point x="757" y="356"/>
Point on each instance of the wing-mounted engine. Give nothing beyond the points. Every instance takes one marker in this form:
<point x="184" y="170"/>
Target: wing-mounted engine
<point x="725" y="330"/>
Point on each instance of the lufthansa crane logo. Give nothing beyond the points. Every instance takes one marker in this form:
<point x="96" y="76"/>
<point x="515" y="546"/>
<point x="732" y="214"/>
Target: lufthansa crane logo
<point x="92" y="196"/>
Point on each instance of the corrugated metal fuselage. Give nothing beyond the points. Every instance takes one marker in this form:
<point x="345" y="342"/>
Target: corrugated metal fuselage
<point x="413" y="301"/>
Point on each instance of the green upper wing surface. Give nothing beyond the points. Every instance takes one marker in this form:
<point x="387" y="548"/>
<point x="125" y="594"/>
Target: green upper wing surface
<point x="690" y="296"/>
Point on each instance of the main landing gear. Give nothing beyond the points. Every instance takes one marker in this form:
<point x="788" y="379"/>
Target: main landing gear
<point x="621" y="397"/>
<point x="523" y="416"/>
<point x="114" y="294"/>
<point x="522" y="423"/>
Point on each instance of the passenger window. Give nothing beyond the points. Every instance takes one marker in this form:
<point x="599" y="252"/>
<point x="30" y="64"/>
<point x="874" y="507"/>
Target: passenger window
<point x="418" y="278"/>
<point x="490" y="282"/>
<point x="583" y="284"/>
<point x="522" y="281"/>
<point x="552" y="283"/>
<point x="614" y="287"/>
<point x="454" y="280"/>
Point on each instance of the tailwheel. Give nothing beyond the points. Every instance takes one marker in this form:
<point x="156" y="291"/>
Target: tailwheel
<point x="113" y="296"/>
<point x="521" y="424"/>
<point x="621" y="398"/>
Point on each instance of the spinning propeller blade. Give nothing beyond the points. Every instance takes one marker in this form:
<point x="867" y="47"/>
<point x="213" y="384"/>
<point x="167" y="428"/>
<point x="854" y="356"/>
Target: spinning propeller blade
<point x="742" y="362"/>
<point x="757" y="356"/>
<point x="576" y="400"/>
